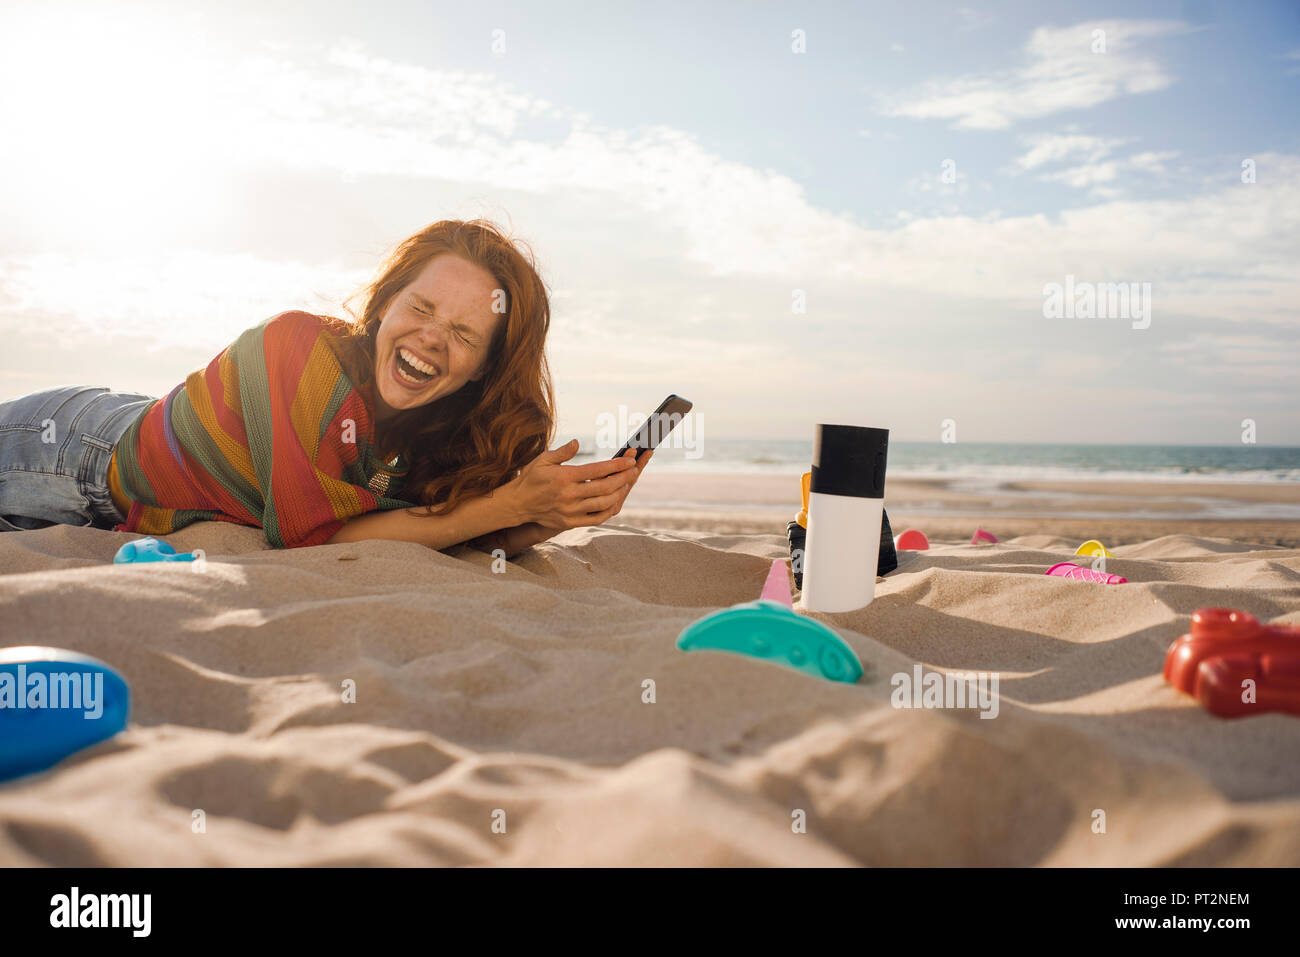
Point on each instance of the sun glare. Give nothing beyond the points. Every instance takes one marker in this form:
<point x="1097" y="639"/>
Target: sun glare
<point x="106" y="126"/>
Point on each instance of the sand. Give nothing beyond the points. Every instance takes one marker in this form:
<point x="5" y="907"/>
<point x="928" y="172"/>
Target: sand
<point x="499" y="718"/>
<point x="949" y="510"/>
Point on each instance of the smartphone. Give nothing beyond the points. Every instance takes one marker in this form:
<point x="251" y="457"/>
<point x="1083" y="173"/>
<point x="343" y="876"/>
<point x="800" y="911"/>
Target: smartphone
<point x="662" y="421"/>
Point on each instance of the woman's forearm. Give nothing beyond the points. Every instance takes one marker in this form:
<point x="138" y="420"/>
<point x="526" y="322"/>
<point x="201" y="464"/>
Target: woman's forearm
<point x="471" y="519"/>
<point x="512" y="540"/>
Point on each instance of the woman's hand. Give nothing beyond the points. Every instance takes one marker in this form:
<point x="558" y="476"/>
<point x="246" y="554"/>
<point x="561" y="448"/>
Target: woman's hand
<point x="517" y="538"/>
<point x="557" y="496"/>
<point x="548" y="532"/>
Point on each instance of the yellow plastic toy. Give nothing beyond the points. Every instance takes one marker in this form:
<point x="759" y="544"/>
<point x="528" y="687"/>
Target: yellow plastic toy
<point x="1093" y="548"/>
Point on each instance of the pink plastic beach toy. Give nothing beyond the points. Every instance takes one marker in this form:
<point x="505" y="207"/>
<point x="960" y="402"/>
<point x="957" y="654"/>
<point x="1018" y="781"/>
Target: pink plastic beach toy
<point x="777" y="586"/>
<point x="912" y="541"/>
<point x="1071" y="570"/>
<point x="983" y="536"/>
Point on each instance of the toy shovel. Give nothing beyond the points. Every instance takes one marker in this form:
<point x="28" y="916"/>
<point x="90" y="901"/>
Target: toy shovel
<point x="769" y="629"/>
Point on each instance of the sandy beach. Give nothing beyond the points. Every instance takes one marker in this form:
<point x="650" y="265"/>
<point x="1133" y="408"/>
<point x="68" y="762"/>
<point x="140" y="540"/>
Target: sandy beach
<point x="519" y="697"/>
<point x="949" y="511"/>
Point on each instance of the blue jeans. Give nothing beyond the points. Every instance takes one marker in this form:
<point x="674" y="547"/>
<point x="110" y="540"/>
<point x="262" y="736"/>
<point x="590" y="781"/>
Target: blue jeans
<point x="54" y="452"/>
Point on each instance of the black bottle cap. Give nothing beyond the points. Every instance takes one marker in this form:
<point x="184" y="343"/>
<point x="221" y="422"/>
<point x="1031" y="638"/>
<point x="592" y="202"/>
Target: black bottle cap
<point x="849" y="460"/>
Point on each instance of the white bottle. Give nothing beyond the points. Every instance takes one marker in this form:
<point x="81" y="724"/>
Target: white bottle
<point x="846" y="500"/>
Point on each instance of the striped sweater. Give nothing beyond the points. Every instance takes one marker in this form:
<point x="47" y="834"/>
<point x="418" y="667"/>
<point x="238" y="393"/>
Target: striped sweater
<point x="272" y="433"/>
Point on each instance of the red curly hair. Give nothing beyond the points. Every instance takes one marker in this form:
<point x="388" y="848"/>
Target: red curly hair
<point x="478" y="438"/>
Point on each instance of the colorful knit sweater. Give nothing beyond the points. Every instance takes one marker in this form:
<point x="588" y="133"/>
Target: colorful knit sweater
<point x="272" y="433"/>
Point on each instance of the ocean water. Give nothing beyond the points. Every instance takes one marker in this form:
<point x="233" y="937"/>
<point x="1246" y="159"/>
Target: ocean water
<point x="998" y="461"/>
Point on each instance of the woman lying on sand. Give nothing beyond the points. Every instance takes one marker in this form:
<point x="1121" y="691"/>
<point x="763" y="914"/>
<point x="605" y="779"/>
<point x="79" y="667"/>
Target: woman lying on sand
<point x="311" y="427"/>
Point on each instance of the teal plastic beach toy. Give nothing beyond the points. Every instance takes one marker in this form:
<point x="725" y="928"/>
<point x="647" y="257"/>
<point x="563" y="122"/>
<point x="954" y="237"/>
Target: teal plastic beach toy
<point x="149" y="550"/>
<point x="769" y="629"/>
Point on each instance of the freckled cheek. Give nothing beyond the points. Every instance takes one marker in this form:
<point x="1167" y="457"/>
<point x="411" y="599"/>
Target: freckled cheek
<point x="461" y="362"/>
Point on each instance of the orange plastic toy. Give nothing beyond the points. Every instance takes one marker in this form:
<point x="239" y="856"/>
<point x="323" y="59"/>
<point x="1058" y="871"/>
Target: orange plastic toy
<point x="805" y="484"/>
<point x="1227" y="647"/>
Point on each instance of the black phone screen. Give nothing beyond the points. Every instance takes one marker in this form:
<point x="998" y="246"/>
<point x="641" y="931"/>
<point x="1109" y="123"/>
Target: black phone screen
<point x="662" y="421"/>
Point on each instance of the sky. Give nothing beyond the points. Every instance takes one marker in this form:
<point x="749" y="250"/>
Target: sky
<point x="789" y="213"/>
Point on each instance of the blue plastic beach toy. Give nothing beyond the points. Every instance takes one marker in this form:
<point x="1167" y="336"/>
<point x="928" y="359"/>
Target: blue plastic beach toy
<point x="53" y="703"/>
<point x="770" y="630"/>
<point x="149" y="550"/>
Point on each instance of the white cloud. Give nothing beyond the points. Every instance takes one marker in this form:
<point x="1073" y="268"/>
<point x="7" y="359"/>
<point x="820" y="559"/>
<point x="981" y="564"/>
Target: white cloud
<point x="1105" y="192"/>
<point x="1086" y="175"/>
<point x="1151" y="162"/>
<point x="1061" y="73"/>
<point x="1091" y="174"/>
<point x="1097" y="166"/>
<point x="1051" y="148"/>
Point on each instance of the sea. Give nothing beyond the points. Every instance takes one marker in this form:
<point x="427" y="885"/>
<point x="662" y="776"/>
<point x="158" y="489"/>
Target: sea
<point x="997" y="461"/>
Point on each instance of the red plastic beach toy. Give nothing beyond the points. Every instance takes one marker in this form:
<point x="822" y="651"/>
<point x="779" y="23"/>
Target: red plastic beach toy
<point x="912" y="540"/>
<point x="1223" y="650"/>
<point x="983" y="536"/>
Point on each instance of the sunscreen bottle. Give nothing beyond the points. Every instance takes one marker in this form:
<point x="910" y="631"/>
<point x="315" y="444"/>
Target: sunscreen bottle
<point x="846" y="501"/>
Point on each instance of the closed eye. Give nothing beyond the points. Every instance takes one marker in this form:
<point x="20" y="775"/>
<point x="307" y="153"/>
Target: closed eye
<point x="463" y="338"/>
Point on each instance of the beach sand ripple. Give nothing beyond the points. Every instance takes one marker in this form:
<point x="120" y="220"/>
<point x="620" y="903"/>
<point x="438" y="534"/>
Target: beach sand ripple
<point x="499" y="718"/>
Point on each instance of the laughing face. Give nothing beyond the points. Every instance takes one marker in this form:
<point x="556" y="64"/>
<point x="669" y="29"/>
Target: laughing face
<point x="435" y="335"/>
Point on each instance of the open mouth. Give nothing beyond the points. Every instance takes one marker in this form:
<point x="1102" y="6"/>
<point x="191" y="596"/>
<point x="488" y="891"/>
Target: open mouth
<point x="413" y="371"/>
